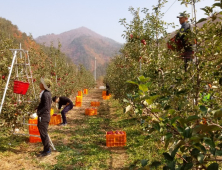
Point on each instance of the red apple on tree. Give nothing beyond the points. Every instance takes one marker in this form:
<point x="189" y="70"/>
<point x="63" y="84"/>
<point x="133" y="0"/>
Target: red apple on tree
<point x="3" y="77"/>
<point x="143" y="41"/>
<point x="131" y="35"/>
<point x="34" y="80"/>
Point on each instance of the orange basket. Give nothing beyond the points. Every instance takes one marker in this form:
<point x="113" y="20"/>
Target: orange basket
<point x="106" y="97"/>
<point x="91" y="111"/>
<point x="104" y="93"/>
<point x="95" y="104"/>
<point x="33" y="130"/>
<point x="115" y="138"/>
<point x="85" y="91"/>
<point x="79" y="93"/>
<point x="78" y="98"/>
<point x="55" y="120"/>
<point x="78" y="104"/>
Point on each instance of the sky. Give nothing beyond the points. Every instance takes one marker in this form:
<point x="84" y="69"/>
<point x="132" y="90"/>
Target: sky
<point x="41" y="17"/>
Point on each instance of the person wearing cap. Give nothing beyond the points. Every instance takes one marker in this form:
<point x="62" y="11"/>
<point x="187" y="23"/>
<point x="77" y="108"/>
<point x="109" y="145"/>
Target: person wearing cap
<point x="182" y="37"/>
<point x="43" y="112"/>
<point x="63" y="101"/>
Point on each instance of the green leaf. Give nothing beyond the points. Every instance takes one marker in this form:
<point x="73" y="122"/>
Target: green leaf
<point x="218" y="113"/>
<point x="144" y="162"/>
<point x="167" y="156"/>
<point x="191" y="118"/>
<point x="155" y="164"/>
<point x="213" y="166"/>
<point x="132" y="82"/>
<point x="177" y="146"/>
<point x="203" y="109"/>
<point x="188" y="166"/>
<point x="174" y="119"/>
<point x="149" y="101"/>
<point x="200" y="147"/>
<point x="209" y="142"/>
<point x="156" y="126"/>
<point x="171" y="111"/>
<point x="201" y="20"/>
<point x="218" y="153"/>
<point x="187" y="133"/>
<point x="195" y="139"/>
<point x="143" y="79"/>
<point x="195" y="152"/>
<point x="167" y="140"/>
<point x="155" y="110"/>
<point x="200" y="158"/>
<point x="143" y="87"/>
<point x="125" y="100"/>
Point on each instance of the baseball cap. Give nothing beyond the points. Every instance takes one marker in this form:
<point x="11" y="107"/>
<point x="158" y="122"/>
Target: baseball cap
<point x="183" y="14"/>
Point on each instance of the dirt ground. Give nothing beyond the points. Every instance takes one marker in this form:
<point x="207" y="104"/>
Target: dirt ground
<point x="24" y="156"/>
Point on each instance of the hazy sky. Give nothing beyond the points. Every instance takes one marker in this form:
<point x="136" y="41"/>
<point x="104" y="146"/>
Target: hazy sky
<point x="41" y="17"/>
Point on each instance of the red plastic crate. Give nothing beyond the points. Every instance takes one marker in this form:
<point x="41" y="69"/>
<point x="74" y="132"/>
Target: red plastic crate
<point x="115" y="140"/>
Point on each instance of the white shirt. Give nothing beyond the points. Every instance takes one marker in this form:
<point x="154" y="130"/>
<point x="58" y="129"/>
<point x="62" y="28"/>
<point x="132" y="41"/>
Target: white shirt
<point x="41" y="93"/>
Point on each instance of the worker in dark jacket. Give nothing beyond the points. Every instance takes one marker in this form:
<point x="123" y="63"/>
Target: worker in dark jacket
<point x="183" y="38"/>
<point x="63" y="101"/>
<point x="43" y="112"/>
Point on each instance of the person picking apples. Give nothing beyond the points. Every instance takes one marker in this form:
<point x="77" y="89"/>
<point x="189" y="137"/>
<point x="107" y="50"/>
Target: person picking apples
<point x="63" y="101"/>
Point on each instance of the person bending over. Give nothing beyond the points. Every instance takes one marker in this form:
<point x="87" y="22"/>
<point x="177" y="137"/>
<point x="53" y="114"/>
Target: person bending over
<point x="63" y="101"/>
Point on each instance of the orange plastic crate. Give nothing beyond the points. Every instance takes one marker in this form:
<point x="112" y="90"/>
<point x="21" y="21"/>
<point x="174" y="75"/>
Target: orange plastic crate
<point x="95" y="104"/>
<point x="33" y="139"/>
<point x="79" y="93"/>
<point x="55" y="120"/>
<point x="78" y="98"/>
<point x="91" y="111"/>
<point x="104" y="93"/>
<point x="78" y="104"/>
<point x="51" y="111"/>
<point x="115" y="140"/>
<point x="85" y="91"/>
<point x="106" y="97"/>
<point x="33" y="121"/>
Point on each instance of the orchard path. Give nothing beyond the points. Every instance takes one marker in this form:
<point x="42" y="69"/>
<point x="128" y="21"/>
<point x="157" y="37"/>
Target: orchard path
<point x="23" y="156"/>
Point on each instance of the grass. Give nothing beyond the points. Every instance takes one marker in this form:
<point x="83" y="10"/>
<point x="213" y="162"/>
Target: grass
<point x="82" y="145"/>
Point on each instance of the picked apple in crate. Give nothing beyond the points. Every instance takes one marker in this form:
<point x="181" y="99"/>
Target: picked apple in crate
<point x="110" y="133"/>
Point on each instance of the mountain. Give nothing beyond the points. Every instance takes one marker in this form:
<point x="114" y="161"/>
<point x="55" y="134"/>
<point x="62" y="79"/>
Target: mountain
<point x="83" y="45"/>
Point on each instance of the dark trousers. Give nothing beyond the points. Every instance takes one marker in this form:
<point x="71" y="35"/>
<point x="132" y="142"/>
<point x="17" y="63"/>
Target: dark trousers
<point x="187" y="56"/>
<point x="64" y="111"/>
<point x="43" y="130"/>
<point x="107" y="92"/>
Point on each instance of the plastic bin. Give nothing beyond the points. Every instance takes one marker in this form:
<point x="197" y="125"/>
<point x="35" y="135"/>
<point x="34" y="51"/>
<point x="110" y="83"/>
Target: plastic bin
<point x="115" y="140"/>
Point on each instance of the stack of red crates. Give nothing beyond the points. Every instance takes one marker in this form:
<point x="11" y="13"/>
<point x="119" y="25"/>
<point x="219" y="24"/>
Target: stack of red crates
<point x="79" y="99"/>
<point x="33" y="130"/>
<point x="115" y="138"/>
